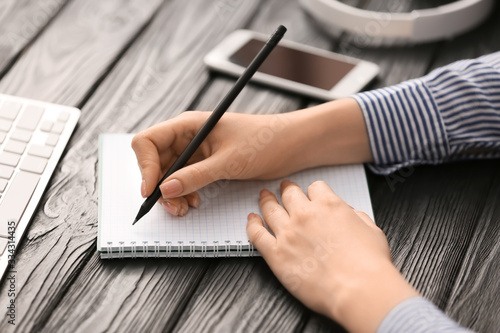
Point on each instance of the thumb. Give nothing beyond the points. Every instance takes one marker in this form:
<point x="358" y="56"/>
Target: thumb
<point x="193" y="177"/>
<point x="148" y="160"/>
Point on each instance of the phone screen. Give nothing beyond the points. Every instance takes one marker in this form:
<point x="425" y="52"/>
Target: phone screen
<point x="295" y="65"/>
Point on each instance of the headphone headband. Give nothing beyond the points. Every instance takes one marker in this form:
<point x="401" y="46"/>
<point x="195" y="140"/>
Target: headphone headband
<point x="423" y="25"/>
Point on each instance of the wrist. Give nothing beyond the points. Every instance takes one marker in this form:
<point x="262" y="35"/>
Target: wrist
<point x="362" y="303"/>
<point x="330" y="134"/>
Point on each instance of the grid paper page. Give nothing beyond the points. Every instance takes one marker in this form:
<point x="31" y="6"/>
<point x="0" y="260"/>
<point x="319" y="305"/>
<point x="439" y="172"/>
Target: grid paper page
<point x="222" y="214"/>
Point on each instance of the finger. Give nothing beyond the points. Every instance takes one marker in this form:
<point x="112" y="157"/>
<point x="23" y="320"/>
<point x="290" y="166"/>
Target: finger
<point x="259" y="236"/>
<point x="320" y="190"/>
<point x="149" y="163"/>
<point x="274" y="214"/>
<point x="292" y="195"/>
<point x="193" y="199"/>
<point x="175" y="206"/>
<point x="193" y="177"/>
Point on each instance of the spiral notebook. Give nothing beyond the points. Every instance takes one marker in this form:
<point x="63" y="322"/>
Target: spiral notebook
<point x="217" y="228"/>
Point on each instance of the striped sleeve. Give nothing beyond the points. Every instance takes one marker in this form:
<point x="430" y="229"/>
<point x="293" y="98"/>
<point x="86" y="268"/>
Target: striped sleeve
<point x="452" y="113"/>
<point x="418" y="315"/>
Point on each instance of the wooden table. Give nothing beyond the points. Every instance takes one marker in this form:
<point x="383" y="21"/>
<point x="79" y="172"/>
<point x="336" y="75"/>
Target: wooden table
<point x="129" y="64"/>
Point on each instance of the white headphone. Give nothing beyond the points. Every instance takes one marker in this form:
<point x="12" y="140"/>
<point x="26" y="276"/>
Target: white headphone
<point x="418" y="26"/>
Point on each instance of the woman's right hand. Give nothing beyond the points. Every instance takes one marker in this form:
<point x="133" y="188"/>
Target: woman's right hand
<point x="240" y="146"/>
<point x="243" y="146"/>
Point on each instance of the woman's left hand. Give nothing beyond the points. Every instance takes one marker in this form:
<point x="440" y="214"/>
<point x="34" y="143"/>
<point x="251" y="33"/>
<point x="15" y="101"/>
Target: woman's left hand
<point x="331" y="257"/>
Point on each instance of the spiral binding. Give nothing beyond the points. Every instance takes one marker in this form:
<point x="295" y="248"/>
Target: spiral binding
<point x="216" y="249"/>
<point x="169" y="249"/>
<point x="203" y="249"/>
<point x="121" y="250"/>
<point x="109" y="248"/>
<point x="227" y="248"/>
<point x="239" y="248"/>
<point x="250" y="249"/>
<point x="133" y="250"/>
<point x="155" y="251"/>
<point x="145" y="249"/>
<point x="180" y="253"/>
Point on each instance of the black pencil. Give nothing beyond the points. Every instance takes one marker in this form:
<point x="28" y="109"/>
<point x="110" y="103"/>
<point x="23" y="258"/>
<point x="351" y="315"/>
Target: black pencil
<point x="214" y="118"/>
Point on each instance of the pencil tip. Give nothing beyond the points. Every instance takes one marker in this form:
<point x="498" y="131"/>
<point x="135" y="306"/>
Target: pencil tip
<point x="139" y="215"/>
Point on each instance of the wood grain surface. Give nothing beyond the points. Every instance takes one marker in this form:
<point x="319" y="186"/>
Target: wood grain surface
<point x="129" y="64"/>
<point x="21" y="21"/>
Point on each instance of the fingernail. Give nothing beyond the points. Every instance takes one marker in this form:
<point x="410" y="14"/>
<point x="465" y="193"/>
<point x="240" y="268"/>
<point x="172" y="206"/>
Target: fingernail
<point x="196" y="202"/>
<point x="143" y="188"/>
<point x="172" y="209"/>
<point x="263" y="193"/>
<point x="171" y="189"/>
<point x="182" y="211"/>
<point x="250" y="216"/>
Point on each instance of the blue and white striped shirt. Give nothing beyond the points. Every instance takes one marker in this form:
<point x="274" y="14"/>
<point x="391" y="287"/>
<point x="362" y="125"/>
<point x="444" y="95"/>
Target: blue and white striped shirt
<point x="418" y="315"/>
<point x="452" y="113"/>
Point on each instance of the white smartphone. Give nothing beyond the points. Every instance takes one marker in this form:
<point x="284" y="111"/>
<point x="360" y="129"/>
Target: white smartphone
<point x="293" y="66"/>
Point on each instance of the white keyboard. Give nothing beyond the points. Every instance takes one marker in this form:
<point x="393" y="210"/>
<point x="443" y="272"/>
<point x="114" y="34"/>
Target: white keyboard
<point x="33" y="136"/>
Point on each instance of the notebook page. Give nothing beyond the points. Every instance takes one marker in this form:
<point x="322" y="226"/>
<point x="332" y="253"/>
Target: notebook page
<point x="222" y="215"/>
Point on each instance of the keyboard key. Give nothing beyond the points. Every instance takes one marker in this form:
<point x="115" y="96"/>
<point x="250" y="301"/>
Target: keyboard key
<point x="52" y="140"/>
<point x="63" y="116"/>
<point x="41" y="151"/>
<point x="3" y="245"/>
<point x="2" y="136"/>
<point x="21" y="135"/>
<point x="13" y="205"/>
<point x="6" y="171"/>
<point x="5" y="125"/>
<point x="58" y="128"/>
<point x="14" y="146"/>
<point x="33" y="164"/>
<point x="9" y="110"/>
<point x="46" y="126"/>
<point x="3" y="184"/>
<point x="30" y="117"/>
<point x="7" y="158"/>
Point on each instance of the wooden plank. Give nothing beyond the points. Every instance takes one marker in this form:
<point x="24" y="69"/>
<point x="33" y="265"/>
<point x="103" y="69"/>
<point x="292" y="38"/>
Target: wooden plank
<point x="62" y="66"/>
<point x="157" y="78"/>
<point x="319" y="323"/>
<point x="474" y="297"/>
<point x="21" y="21"/>
<point x="241" y="295"/>
<point x="121" y="296"/>
<point x="76" y="50"/>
